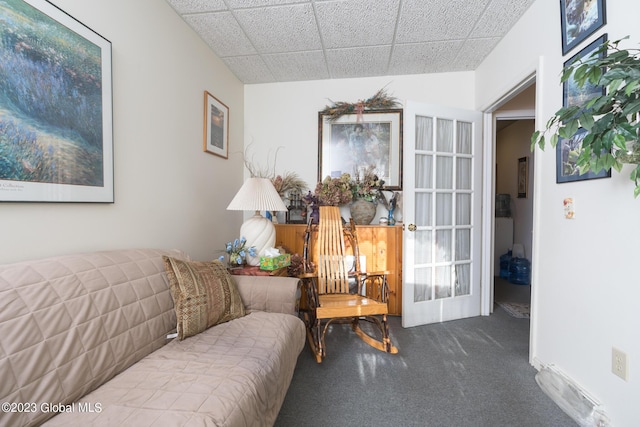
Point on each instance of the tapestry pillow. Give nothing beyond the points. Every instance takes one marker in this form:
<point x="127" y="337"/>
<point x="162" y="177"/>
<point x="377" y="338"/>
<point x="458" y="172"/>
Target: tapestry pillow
<point x="203" y="294"/>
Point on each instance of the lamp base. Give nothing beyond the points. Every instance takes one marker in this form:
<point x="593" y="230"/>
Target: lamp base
<point x="259" y="232"/>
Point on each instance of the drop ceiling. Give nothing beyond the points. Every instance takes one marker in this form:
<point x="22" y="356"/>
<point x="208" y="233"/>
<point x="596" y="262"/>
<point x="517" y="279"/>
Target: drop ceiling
<point x="263" y="41"/>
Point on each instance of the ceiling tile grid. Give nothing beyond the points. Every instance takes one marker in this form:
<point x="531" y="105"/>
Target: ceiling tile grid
<point x="263" y="41"/>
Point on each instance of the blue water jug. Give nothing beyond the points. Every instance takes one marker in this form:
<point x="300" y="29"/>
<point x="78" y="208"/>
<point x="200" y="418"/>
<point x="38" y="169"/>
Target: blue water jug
<point x="505" y="260"/>
<point x="520" y="271"/>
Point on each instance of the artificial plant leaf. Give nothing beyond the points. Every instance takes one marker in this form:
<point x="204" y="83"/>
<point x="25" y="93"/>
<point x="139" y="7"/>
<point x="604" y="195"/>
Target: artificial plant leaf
<point x="632" y="108"/>
<point x="586" y="120"/>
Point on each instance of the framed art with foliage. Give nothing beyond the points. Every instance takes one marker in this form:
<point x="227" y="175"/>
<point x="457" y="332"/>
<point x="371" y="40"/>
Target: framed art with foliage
<point x="56" y="132"/>
<point x="355" y="141"/>
<point x="579" y="19"/>
<point x="573" y="94"/>
<point x="567" y="152"/>
<point x="216" y="126"/>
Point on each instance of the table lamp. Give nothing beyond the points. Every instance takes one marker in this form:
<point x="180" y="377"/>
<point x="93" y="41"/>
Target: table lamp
<point x="257" y="194"/>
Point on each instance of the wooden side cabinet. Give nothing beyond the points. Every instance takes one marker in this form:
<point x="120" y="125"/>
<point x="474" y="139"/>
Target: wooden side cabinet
<point x="380" y="244"/>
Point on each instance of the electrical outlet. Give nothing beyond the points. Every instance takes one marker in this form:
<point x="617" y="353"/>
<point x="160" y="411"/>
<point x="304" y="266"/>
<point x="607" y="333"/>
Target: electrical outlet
<point x="620" y="363"/>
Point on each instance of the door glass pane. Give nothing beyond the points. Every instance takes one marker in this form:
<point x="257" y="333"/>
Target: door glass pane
<point x="424" y="133"/>
<point x="463" y="279"/>
<point x="463" y="209"/>
<point x="423" y="247"/>
<point x="444" y="208"/>
<point x="444" y="172"/>
<point x="422" y="287"/>
<point x="423" y="209"/>
<point x="444" y="139"/>
<point x="443" y="282"/>
<point x="464" y="138"/>
<point x="463" y="173"/>
<point x="443" y="245"/>
<point x="424" y="171"/>
<point x="463" y="245"/>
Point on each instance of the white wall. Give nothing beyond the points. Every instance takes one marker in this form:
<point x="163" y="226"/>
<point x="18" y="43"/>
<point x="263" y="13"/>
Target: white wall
<point x="286" y="114"/>
<point x="168" y="192"/>
<point x="585" y="292"/>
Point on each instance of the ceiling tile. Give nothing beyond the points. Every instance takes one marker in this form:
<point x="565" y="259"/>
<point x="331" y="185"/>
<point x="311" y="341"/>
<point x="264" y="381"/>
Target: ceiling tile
<point x="357" y="22"/>
<point x="222" y="33"/>
<point x="358" y="62"/>
<point x="193" y="6"/>
<point x="286" y="40"/>
<point x="473" y="51"/>
<point x="250" y="69"/>
<point x="437" y="20"/>
<point x="297" y="66"/>
<point x="281" y="29"/>
<point x="244" y="4"/>
<point x="419" y="57"/>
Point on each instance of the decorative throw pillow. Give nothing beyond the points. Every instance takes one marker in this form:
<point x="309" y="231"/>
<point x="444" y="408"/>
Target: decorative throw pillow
<point x="203" y="294"/>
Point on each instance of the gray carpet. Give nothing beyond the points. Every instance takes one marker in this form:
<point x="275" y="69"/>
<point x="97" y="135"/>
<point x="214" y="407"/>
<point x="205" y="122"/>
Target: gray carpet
<point x="470" y="372"/>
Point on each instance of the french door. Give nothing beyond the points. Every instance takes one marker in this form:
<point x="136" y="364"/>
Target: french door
<point x="442" y="214"/>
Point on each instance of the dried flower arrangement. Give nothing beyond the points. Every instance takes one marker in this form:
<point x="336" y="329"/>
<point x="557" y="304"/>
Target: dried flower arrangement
<point x="366" y="184"/>
<point x="285" y="184"/>
<point x="331" y="191"/>
<point x="380" y="101"/>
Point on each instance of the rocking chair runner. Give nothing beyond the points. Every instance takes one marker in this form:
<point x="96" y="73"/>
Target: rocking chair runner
<point x="328" y="296"/>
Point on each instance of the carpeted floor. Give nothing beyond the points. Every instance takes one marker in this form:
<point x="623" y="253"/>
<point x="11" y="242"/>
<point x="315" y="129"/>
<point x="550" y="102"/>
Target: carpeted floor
<point x="471" y="372"/>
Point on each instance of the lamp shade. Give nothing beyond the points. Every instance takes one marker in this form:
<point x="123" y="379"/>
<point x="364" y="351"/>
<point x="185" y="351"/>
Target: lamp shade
<point x="257" y="194"/>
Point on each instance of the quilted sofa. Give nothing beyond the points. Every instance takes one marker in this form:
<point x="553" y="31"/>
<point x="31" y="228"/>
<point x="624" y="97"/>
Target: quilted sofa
<point x="88" y="339"/>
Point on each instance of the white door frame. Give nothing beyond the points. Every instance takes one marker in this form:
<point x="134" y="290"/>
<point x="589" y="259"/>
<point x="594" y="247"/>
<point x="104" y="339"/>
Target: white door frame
<point x="533" y="74"/>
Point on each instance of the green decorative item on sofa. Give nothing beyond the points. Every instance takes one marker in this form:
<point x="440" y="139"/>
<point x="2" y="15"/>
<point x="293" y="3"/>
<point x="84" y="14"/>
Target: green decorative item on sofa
<point x="611" y="119"/>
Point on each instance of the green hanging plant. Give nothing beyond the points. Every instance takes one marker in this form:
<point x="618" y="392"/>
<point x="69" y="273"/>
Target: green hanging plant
<point x="611" y="120"/>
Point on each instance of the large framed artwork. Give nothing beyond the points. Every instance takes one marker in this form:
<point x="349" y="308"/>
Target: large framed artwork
<point x="56" y="131"/>
<point x="579" y="19"/>
<point x="216" y="126"/>
<point x="568" y="149"/>
<point x="355" y="141"/>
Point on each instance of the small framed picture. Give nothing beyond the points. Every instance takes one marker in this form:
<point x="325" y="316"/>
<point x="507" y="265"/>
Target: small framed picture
<point x="579" y="19"/>
<point x="216" y="126"/>
<point x="574" y="95"/>
<point x="567" y="152"/>
<point x="523" y="177"/>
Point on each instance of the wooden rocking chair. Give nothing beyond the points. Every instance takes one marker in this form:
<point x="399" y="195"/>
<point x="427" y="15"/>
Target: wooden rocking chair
<point x="327" y="289"/>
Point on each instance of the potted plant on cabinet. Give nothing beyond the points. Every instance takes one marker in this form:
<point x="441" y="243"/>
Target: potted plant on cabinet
<point x="611" y="119"/>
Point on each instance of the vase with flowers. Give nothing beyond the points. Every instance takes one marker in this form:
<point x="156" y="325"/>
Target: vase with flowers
<point x="238" y="252"/>
<point x="365" y="189"/>
<point x="329" y="192"/>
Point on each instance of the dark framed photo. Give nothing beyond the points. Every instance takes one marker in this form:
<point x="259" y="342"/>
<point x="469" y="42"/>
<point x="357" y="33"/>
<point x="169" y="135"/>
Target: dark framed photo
<point x="216" y="126"/>
<point x="567" y="152"/>
<point x="579" y="19"/>
<point x="523" y="177"/>
<point x="353" y="142"/>
<point x="574" y="95"/>
<point x="56" y="126"/>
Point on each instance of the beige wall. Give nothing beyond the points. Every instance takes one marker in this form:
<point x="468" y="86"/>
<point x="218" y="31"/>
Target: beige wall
<point x="512" y="143"/>
<point x="168" y="192"/>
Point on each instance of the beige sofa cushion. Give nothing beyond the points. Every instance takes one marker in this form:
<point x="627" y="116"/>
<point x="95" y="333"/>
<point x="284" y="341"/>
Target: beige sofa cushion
<point x="70" y="323"/>
<point x="203" y="293"/>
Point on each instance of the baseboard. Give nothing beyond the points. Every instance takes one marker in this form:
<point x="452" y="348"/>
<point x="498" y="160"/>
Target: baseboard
<point x="571" y="398"/>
